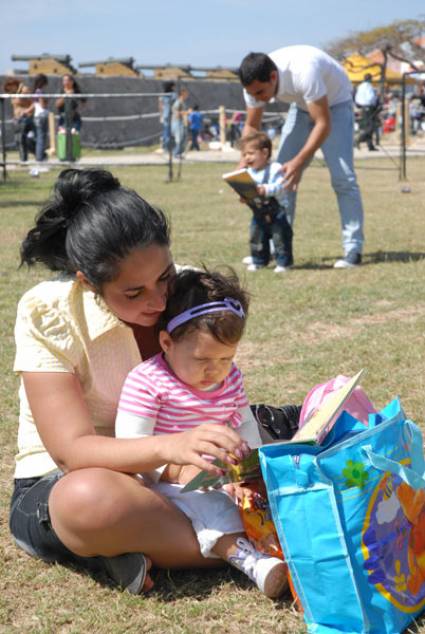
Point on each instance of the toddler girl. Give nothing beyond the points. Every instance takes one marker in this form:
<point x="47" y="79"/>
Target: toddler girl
<point x="195" y="382"/>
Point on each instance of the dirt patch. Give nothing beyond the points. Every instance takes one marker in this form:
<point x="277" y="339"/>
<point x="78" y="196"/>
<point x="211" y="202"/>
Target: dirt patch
<point x="322" y="331"/>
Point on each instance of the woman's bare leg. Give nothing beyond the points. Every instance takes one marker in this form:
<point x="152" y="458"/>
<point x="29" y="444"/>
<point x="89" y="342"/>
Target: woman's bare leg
<point x="107" y="513"/>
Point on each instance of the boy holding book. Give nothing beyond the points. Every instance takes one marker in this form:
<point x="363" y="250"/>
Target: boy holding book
<point x="269" y="221"/>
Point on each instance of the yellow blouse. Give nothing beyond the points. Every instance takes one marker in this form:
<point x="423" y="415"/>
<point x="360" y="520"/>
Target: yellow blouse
<point x="63" y="327"/>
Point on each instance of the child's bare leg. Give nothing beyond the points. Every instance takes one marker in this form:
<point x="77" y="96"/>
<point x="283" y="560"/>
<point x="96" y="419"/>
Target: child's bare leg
<point x="269" y="573"/>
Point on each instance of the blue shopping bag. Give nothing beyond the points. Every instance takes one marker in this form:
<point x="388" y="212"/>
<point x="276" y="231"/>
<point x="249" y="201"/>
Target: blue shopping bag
<point x="350" y="516"/>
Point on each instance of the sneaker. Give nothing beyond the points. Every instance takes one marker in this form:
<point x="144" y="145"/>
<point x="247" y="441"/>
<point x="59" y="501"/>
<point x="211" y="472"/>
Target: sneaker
<point x="128" y="571"/>
<point x="281" y="269"/>
<point x="247" y="260"/>
<point x="254" y="267"/>
<point x="268" y="573"/>
<point x="349" y="261"/>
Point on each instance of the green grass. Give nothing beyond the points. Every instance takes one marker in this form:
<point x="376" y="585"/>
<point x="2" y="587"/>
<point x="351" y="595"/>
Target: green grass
<point x="304" y="327"/>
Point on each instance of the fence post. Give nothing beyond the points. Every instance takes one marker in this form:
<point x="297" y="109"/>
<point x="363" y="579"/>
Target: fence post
<point x="222" y="125"/>
<point x="52" y="135"/>
<point x="3" y="137"/>
<point x="403" y="131"/>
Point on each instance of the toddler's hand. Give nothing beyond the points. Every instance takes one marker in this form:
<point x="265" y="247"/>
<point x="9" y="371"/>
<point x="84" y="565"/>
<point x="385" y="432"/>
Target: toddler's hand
<point x="262" y="190"/>
<point x="191" y="447"/>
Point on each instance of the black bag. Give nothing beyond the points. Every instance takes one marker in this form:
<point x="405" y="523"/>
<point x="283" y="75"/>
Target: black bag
<point x="276" y="423"/>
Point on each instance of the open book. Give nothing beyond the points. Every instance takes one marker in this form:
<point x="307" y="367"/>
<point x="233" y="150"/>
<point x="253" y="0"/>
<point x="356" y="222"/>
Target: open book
<point x="243" y="184"/>
<point x="314" y="431"/>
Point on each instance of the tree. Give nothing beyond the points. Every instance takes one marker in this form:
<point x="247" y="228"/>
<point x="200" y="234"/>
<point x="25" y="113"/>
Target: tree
<point x="399" y="40"/>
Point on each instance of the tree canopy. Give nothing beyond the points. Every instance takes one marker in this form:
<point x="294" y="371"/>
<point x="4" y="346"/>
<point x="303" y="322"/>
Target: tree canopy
<point x="400" y="40"/>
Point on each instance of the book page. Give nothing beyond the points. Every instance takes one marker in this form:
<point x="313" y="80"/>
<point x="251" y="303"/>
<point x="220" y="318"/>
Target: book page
<point x="320" y="423"/>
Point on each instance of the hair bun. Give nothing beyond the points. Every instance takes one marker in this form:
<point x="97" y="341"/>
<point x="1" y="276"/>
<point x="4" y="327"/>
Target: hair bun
<point x="77" y="187"/>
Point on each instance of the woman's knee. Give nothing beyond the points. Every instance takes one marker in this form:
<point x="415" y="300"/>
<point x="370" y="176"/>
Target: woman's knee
<point x="89" y="500"/>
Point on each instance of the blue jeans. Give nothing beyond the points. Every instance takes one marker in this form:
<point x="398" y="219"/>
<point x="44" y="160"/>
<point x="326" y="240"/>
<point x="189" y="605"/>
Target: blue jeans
<point x="338" y="152"/>
<point x="179" y="134"/>
<point x="279" y="231"/>
<point x="40" y="136"/>
<point x="24" y="126"/>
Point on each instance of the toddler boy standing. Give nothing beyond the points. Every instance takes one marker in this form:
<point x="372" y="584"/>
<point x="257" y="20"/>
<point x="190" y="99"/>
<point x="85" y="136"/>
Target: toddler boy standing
<point x="269" y="222"/>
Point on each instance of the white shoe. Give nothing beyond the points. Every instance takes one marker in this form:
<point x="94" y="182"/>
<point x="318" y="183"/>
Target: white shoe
<point x="349" y="261"/>
<point x="247" y="259"/>
<point x="281" y="269"/>
<point x="254" y="267"/>
<point x="268" y="573"/>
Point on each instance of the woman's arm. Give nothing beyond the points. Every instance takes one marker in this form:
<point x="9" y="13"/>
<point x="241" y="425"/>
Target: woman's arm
<point x="63" y="422"/>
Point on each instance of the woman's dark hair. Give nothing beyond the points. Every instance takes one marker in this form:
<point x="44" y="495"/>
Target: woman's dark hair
<point x="40" y="81"/>
<point x="75" y="84"/>
<point x="194" y="287"/>
<point x="168" y="86"/>
<point x="256" y="67"/>
<point x="90" y="224"/>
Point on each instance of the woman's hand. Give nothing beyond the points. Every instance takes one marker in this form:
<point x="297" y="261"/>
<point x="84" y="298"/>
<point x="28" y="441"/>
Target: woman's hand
<point x="192" y="447"/>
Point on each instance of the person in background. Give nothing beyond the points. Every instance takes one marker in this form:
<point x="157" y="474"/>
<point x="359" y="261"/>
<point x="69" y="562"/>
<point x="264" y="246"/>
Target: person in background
<point x="417" y="110"/>
<point x="320" y="116"/>
<point x="195" y="121"/>
<point x="178" y="122"/>
<point x="165" y="103"/>
<point x="23" y="116"/>
<point x="366" y="98"/>
<point x="41" y="114"/>
<point x="70" y="86"/>
<point x="235" y="127"/>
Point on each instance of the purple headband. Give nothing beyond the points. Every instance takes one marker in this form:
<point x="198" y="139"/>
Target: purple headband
<point x="231" y="305"/>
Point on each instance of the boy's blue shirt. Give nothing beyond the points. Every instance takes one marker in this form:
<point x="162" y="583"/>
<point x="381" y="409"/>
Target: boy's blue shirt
<point x="195" y="120"/>
<point x="274" y="185"/>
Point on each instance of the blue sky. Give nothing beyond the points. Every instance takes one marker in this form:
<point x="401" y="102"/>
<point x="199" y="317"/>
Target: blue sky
<point x="196" y="32"/>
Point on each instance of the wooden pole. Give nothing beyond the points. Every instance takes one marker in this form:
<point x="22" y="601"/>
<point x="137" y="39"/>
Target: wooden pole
<point x="52" y="135"/>
<point x="222" y="125"/>
<point x="3" y="138"/>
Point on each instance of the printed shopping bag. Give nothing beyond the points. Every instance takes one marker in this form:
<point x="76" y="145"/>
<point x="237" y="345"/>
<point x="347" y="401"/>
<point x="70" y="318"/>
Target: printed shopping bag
<point x="350" y="516"/>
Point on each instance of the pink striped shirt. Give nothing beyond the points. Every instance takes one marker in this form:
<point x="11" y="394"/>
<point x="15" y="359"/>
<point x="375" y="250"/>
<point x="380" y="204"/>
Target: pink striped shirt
<point x="152" y="391"/>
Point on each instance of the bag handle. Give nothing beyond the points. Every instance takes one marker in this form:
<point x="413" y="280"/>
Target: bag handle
<point x="414" y="476"/>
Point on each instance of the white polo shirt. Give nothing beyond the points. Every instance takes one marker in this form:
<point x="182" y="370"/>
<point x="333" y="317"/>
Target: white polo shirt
<point x="305" y="75"/>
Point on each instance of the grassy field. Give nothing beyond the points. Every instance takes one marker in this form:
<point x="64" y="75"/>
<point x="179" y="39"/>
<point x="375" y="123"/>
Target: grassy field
<point x="304" y="327"/>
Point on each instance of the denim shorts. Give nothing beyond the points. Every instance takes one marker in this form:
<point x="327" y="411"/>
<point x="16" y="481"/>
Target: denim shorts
<point x="30" y="525"/>
<point x="29" y="519"/>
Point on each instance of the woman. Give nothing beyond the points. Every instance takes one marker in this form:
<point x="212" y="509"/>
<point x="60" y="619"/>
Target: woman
<point x="77" y="498"/>
<point x="70" y="87"/>
<point x="41" y="114"/>
<point x="23" y="111"/>
<point x="178" y="122"/>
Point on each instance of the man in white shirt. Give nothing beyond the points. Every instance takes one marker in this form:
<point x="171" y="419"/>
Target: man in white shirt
<point x="367" y="99"/>
<point x="320" y="116"/>
<point x="366" y="95"/>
